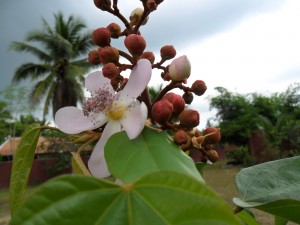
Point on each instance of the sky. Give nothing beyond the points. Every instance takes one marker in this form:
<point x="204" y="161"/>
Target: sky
<point x="245" y="46"/>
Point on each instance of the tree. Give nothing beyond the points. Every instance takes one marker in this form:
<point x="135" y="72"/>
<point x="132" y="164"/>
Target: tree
<point x="60" y="68"/>
<point x="4" y="121"/>
<point x="276" y="116"/>
<point x="235" y="116"/>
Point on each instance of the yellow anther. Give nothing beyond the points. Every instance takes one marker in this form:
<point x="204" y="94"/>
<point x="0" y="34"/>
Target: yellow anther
<point x="116" y="111"/>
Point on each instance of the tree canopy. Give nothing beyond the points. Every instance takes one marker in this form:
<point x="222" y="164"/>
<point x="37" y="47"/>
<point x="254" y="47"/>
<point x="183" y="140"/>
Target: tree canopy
<point x="58" y="72"/>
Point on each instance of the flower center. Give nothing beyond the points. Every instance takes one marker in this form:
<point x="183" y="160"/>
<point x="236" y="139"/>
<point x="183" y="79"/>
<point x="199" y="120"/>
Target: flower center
<point x="116" y="111"/>
<point x="98" y="102"/>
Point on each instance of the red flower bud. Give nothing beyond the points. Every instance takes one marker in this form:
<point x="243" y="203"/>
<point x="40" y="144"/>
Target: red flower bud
<point x="181" y="137"/>
<point x="189" y="118"/>
<point x="177" y="102"/>
<point x="102" y="4"/>
<point x="212" y="155"/>
<point x="199" y="87"/>
<point x="148" y="55"/>
<point x="115" y="30"/>
<point x="108" y="54"/>
<point x="94" y="57"/>
<point x="101" y="37"/>
<point x="162" y="111"/>
<point x="151" y="5"/>
<point x="188" y="97"/>
<point x="110" y="70"/>
<point x="135" y="44"/>
<point x="212" y="135"/>
<point x="167" y="52"/>
<point x="165" y="76"/>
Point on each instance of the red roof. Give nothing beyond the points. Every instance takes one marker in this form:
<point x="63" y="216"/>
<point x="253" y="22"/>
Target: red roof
<point x="9" y="147"/>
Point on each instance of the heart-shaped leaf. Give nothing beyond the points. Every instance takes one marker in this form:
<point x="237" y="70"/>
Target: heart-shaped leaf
<point x="273" y="187"/>
<point x="161" y="198"/>
<point x="151" y="151"/>
<point x="22" y="163"/>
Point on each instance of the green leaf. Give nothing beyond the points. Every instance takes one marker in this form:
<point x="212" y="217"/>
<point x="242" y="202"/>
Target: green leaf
<point x="200" y="167"/>
<point x="280" y="221"/>
<point x="247" y="217"/>
<point x="272" y="187"/>
<point x="78" y="165"/>
<point x="22" y="163"/>
<point x="151" y="151"/>
<point x="161" y="198"/>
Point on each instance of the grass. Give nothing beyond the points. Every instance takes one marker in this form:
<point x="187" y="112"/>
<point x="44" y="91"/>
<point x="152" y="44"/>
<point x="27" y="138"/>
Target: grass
<point x="218" y="177"/>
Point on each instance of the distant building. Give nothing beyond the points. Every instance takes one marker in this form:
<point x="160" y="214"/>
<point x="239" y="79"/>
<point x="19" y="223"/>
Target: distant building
<point x="8" y="148"/>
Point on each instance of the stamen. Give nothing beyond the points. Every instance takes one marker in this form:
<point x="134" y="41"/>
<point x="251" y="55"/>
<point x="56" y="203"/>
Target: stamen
<point x="98" y="102"/>
<point x="116" y="111"/>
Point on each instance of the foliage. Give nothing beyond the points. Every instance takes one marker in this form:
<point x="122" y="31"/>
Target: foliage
<point x="240" y="155"/>
<point x="59" y="73"/>
<point x="22" y="165"/>
<point x="154" y="146"/>
<point x="141" y="148"/>
<point x="4" y="124"/>
<point x="272" y="187"/>
<point x="277" y="116"/>
<point x="87" y="200"/>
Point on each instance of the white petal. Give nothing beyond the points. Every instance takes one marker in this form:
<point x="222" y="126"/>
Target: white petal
<point x="97" y="164"/>
<point x="72" y="121"/>
<point x="138" y="80"/>
<point x="135" y="119"/>
<point x="95" y="80"/>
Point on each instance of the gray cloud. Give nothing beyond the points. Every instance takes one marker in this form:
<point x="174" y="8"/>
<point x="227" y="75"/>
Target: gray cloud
<point x="175" y="22"/>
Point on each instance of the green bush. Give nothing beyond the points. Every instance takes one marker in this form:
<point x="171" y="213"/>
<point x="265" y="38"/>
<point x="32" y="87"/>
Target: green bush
<point x="240" y="156"/>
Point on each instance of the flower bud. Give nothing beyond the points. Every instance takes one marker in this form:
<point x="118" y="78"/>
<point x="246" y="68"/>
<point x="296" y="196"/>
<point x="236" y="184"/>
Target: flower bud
<point x="115" y="30"/>
<point x="151" y="5"/>
<point x="177" y="102"/>
<point x="136" y="16"/>
<point x="167" y="52"/>
<point x="188" y="97"/>
<point x="181" y="137"/>
<point x="180" y="68"/>
<point x="93" y="57"/>
<point x="212" y="135"/>
<point x="102" y="4"/>
<point x="101" y="37"/>
<point x="108" y="54"/>
<point x="135" y="44"/>
<point x="189" y="118"/>
<point x="148" y="55"/>
<point x="165" y="76"/>
<point x="200" y="139"/>
<point x="199" y="87"/>
<point x="212" y="155"/>
<point x="162" y="111"/>
<point x="110" y="70"/>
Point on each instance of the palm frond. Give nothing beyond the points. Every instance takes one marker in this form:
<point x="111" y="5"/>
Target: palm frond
<point x="47" y="27"/>
<point x="30" y="70"/>
<point x="40" y="89"/>
<point x="48" y="100"/>
<point x="24" y="47"/>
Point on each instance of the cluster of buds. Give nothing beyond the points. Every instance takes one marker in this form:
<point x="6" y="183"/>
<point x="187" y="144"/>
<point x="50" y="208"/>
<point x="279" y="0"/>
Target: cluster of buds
<point x="168" y="110"/>
<point x="201" y="146"/>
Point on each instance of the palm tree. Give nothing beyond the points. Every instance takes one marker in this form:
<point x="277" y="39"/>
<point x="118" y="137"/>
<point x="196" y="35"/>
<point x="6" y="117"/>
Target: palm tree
<point x="60" y="68"/>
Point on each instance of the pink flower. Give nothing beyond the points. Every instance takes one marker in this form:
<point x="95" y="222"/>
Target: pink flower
<point x="180" y="68"/>
<point x="119" y="111"/>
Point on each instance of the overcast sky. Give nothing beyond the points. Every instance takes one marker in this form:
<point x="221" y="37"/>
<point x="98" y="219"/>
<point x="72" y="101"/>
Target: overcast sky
<point x="242" y="45"/>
